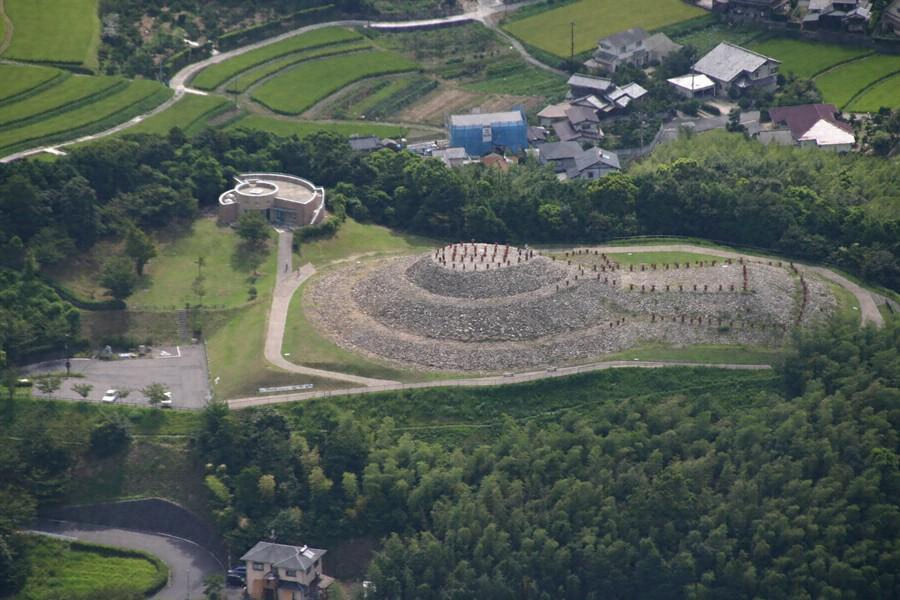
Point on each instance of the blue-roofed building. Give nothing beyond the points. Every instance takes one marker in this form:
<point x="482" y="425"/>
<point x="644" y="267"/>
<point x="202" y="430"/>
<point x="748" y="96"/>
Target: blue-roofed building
<point x="482" y="134"/>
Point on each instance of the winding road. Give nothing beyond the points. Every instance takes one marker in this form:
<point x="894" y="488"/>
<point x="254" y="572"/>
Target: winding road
<point x="486" y="9"/>
<point x="188" y="563"/>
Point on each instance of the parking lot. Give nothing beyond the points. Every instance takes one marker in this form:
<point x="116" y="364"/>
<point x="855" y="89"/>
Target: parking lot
<point x="181" y="369"/>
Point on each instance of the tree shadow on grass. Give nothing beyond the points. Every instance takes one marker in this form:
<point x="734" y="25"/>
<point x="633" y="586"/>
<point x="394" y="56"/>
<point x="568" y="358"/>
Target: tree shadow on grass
<point x="247" y="257"/>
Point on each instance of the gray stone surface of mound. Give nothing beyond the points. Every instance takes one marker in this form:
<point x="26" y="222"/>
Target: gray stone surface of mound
<point x="508" y="281"/>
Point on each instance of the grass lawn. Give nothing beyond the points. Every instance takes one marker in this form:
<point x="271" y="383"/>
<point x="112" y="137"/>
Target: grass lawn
<point x="61" y="568"/>
<point x="242" y="83"/>
<point x="356" y="239"/>
<point x="646" y="258"/>
<point x="59" y="98"/>
<point x="884" y="93"/>
<point x="702" y="353"/>
<point x="215" y="75"/>
<point x="292" y="92"/>
<point x="190" y="113"/>
<point x="54" y="31"/>
<point x="139" y="96"/>
<point x="169" y="277"/>
<point x="285" y="127"/>
<point x="594" y="19"/>
<point x="847" y="304"/>
<point x="708" y="37"/>
<point x="807" y="59"/>
<point x="18" y="79"/>
<point x="841" y="84"/>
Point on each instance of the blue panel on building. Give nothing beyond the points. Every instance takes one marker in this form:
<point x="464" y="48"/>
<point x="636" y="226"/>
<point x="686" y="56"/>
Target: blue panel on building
<point x="481" y="134"/>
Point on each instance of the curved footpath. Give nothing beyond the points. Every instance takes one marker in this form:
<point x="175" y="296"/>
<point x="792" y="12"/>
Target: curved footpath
<point x="178" y="82"/>
<point x="189" y="564"/>
<point x="289" y="281"/>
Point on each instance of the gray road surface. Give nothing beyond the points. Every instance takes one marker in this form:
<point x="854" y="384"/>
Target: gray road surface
<point x="185" y="376"/>
<point x="188" y="563"/>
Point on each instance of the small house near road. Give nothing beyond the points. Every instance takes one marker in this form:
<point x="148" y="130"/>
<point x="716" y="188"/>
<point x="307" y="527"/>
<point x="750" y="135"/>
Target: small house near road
<point x="633" y="47"/>
<point x="482" y="134"/>
<point x="731" y="67"/>
<point x="281" y="572"/>
<point x="814" y="125"/>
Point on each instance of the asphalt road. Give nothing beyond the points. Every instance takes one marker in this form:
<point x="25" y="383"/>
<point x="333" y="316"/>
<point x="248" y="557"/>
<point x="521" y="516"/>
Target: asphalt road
<point x="184" y="375"/>
<point x="188" y="563"/>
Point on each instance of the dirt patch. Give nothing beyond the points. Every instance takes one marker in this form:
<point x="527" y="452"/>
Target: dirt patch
<point x="442" y="101"/>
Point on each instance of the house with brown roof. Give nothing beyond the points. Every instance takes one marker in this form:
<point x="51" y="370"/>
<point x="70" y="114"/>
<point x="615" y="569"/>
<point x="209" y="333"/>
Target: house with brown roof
<point x="814" y="125"/>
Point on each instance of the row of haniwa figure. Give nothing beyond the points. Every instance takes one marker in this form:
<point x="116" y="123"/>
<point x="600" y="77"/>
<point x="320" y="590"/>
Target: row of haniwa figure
<point x="483" y="255"/>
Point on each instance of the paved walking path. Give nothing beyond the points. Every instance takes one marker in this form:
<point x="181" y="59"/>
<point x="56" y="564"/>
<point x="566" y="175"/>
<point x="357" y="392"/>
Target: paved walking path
<point x="188" y="563"/>
<point x="286" y="283"/>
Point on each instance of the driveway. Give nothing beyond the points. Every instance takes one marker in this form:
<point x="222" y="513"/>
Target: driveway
<point x="188" y="563"/>
<point x="183" y="371"/>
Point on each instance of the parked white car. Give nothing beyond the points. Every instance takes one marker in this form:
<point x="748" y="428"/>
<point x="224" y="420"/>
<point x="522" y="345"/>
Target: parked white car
<point x="111" y="396"/>
<point x="167" y="401"/>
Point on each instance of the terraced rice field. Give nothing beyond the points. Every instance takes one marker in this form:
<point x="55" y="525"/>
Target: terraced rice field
<point x="515" y="77"/>
<point x="379" y="98"/>
<point x="807" y="59"/>
<point x="242" y="83"/>
<point x="54" y="31"/>
<point x="20" y="80"/>
<point x="137" y="97"/>
<point x="550" y="30"/>
<point x="74" y="91"/>
<point x="299" y="88"/>
<point x="215" y="75"/>
<point x="303" y="128"/>
<point x="190" y="114"/>
<point x="841" y="84"/>
<point x="885" y="93"/>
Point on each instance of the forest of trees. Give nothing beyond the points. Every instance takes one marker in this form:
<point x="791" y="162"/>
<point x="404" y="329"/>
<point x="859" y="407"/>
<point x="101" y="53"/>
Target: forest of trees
<point x="789" y="492"/>
<point x="810" y="205"/>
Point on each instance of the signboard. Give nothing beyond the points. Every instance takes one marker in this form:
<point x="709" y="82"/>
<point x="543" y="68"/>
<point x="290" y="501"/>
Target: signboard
<point x="286" y="388"/>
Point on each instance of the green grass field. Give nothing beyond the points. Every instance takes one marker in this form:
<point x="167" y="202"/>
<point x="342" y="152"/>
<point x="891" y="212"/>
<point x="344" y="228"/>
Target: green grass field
<point x="299" y="88"/>
<point x="215" y="75"/>
<point x="139" y="96"/>
<point x="169" y="276"/>
<point x="190" y="113"/>
<point x="884" y="93"/>
<point x="807" y="59"/>
<point x="242" y="83"/>
<point x="841" y="84"/>
<point x="59" y="98"/>
<point x="514" y="76"/>
<point x="706" y="38"/>
<point x="61" y="568"/>
<point x="19" y="79"/>
<point x="594" y="19"/>
<point x="54" y="31"/>
<point x="286" y="127"/>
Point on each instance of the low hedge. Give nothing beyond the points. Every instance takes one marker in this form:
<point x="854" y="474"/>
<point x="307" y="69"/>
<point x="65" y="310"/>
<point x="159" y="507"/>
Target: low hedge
<point x="326" y="228"/>
<point x="309" y="16"/>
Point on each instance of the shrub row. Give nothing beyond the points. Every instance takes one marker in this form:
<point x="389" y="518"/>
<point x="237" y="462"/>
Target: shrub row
<point x="326" y="228"/>
<point x="309" y="16"/>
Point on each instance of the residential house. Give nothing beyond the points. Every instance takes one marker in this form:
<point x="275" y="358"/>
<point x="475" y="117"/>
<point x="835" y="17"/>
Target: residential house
<point x="482" y="134"/>
<point x="498" y="161"/>
<point x="559" y="154"/>
<point x="693" y="85"/>
<point x="752" y="10"/>
<point x="537" y="134"/>
<point x="814" y="125"/>
<point x="586" y="85"/>
<point x="890" y="18"/>
<point x="633" y="47"/>
<point x="453" y="156"/>
<point x="838" y="15"/>
<point x="594" y="163"/>
<point x="282" y="572"/>
<point x="579" y="118"/>
<point x="367" y="143"/>
<point x="734" y="68"/>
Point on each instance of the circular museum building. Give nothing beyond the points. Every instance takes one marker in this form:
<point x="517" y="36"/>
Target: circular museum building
<point x="283" y="200"/>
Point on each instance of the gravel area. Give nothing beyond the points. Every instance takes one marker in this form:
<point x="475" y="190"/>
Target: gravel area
<point x="408" y="310"/>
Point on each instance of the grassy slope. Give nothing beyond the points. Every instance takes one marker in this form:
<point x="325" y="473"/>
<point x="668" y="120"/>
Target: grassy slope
<point x="59" y="568"/>
<point x="57" y="97"/>
<point x="21" y="78"/>
<point x="53" y="31"/>
<point x="884" y="93"/>
<point x="119" y="107"/>
<point x="806" y="59"/>
<point x="301" y="128"/>
<point x="189" y="113"/>
<point x="169" y="276"/>
<point x="594" y="19"/>
<point x="242" y="83"/>
<point x="291" y="92"/>
<point x="840" y="84"/>
<point x="215" y="75"/>
<point x="515" y="76"/>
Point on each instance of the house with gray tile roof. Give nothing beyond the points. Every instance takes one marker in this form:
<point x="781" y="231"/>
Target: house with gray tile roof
<point x="734" y="68"/>
<point x="594" y="163"/>
<point x="283" y="572"/>
<point x="633" y="46"/>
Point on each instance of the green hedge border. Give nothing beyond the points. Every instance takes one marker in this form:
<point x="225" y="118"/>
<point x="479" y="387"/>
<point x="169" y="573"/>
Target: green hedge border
<point x="111" y="120"/>
<point x="242" y="37"/>
<point x="109" y="90"/>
